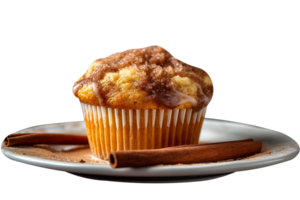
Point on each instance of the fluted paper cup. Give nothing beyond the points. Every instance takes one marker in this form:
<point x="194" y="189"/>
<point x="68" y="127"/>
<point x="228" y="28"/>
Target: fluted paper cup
<point x="113" y="129"/>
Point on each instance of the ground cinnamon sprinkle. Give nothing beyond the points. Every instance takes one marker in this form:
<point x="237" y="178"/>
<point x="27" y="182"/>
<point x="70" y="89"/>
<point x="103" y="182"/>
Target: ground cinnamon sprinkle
<point x="271" y="150"/>
<point x="82" y="153"/>
<point x="78" y="154"/>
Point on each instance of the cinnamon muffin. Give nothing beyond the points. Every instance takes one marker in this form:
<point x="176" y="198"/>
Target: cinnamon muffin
<point x="142" y="99"/>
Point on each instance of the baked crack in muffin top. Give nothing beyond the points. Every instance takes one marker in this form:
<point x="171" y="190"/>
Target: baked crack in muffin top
<point x="147" y="78"/>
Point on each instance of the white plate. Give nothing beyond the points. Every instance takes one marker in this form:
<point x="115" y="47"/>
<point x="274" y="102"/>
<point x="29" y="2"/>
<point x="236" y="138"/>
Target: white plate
<point x="282" y="148"/>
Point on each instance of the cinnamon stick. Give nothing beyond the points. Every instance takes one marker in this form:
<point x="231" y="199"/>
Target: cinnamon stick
<point x="44" y="138"/>
<point x="185" y="155"/>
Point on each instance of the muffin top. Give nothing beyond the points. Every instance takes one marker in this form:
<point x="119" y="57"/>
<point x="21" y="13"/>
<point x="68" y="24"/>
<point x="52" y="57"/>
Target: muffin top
<point x="147" y="78"/>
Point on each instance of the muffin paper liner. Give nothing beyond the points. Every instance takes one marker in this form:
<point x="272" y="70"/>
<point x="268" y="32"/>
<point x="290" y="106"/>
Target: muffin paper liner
<point x="113" y="129"/>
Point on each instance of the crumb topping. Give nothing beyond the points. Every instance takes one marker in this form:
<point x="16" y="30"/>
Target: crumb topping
<point x="147" y="78"/>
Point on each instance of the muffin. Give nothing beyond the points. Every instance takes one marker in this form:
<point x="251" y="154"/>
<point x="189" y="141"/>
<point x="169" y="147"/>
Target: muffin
<point x="142" y="99"/>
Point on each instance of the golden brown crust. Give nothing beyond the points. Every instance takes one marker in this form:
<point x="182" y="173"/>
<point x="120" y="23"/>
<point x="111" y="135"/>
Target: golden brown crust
<point x="146" y="78"/>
